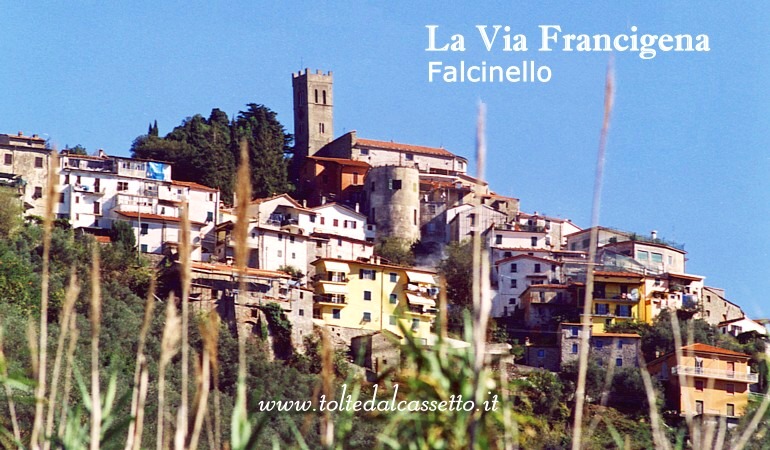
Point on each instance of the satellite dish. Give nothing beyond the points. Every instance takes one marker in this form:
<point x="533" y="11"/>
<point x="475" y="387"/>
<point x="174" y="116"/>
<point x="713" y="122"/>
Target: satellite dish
<point x="634" y="295"/>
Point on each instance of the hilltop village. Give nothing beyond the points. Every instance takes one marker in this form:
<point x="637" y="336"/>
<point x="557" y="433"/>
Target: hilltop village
<point x="314" y="252"/>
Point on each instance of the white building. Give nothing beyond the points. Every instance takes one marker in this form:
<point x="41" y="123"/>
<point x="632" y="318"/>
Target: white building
<point x="515" y="274"/>
<point x="742" y="325"/>
<point x="96" y="191"/>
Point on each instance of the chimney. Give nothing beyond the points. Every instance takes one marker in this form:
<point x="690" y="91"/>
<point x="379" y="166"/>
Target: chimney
<point x="102" y="154"/>
<point x="654" y="234"/>
<point x="304" y="203"/>
<point x="323" y="199"/>
<point x="21" y="134"/>
<point x="358" y="208"/>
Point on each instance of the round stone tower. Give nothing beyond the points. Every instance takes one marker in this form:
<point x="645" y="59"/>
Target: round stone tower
<point x="394" y="201"/>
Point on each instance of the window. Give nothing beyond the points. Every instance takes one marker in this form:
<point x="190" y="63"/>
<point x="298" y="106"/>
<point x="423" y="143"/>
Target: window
<point x="575" y="331"/>
<point x="293" y="256"/>
<point x="38" y="162"/>
<point x="38" y="192"/>
<point x="316" y="95"/>
<point x="365" y="151"/>
<point x="498" y="239"/>
<point x="514" y="284"/>
<point x="415" y="324"/>
<point x="620" y="344"/>
<point x="301" y="312"/>
<point x="324" y="97"/>
<point x="144" y="248"/>
<point x="8" y="159"/>
<point x="291" y="239"/>
<point x="599" y="344"/>
<point x="698" y="406"/>
<point x="367" y="274"/>
<point x="392" y="320"/>
<point x="312" y="219"/>
<point x="618" y="362"/>
<point x="336" y="222"/>
<point x="730" y="388"/>
<point x="642" y="256"/>
<point x="393" y="277"/>
<point x="321" y="128"/>
<point x="541" y="353"/>
<point x="409" y="157"/>
<point x="367" y="316"/>
<point x="145" y="228"/>
<point x="537" y="268"/>
<point x="280" y="237"/>
<point x="67" y="179"/>
<point x="698" y="365"/>
<point x="122" y="185"/>
<point x="97" y="208"/>
<point x="730" y="410"/>
<point x="574" y="349"/>
<point x="280" y="253"/>
<point x="602" y="308"/>
<point x="323" y="220"/>
<point x="656" y="258"/>
<point x="699" y="385"/>
<point x="61" y="198"/>
<point x="514" y="268"/>
<point x="534" y="241"/>
<point x="368" y="295"/>
<point x="507" y="255"/>
<point x="209" y="216"/>
<point x="394" y="185"/>
<point x="339" y="242"/>
<point x="623" y="310"/>
<point x="414" y="216"/>
<point x="336" y="313"/>
<point x="393" y="299"/>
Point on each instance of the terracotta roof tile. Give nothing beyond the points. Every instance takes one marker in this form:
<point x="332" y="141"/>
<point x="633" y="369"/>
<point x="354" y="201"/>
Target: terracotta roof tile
<point x="698" y="347"/>
<point x="403" y="147"/>
<point x="193" y="185"/>
<point x="341" y="161"/>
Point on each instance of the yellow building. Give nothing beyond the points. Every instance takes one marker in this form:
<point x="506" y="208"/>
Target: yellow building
<point x="368" y="296"/>
<point x="616" y="298"/>
<point x="708" y="381"/>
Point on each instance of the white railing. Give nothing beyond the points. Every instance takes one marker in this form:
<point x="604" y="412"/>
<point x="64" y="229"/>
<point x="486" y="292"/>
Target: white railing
<point x="715" y="373"/>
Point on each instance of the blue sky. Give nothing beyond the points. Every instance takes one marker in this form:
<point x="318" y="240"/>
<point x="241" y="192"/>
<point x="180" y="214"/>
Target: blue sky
<point x="688" y="146"/>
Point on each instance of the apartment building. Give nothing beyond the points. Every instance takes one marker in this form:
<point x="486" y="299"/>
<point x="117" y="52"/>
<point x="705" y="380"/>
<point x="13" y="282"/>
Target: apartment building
<point x="616" y="349"/>
<point x="707" y="381"/>
<point x="615" y="298"/>
<point x="356" y="297"/>
<point x="24" y="165"/>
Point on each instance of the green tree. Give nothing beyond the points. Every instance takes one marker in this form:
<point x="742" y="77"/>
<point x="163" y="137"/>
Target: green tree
<point x="396" y="250"/>
<point x="660" y="338"/>
<point x="200" y="150"/>
<point x="77" y="150"/>
<point x="457" y="270"/>
<point x="122" y="235"/>
<point x="269" y="149"/>
<point x="10" y="211"/>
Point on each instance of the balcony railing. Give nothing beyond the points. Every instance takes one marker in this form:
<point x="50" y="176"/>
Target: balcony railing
<point x="715" y="373"/>
<point x="329" y="299"/>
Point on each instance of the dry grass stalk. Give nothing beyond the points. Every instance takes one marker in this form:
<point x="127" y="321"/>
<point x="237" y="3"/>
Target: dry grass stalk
<point x="658" y="436"/>
<point x="50" y="201"/>
<point x="134" y="430"/>
<point x="209" y="330"/>
<point x="481" y="303"/>
<point x="609" y="96"/>
<point x="9" y="391"/>
<point x="243" y="194"/>
<point x="184" y="259"/>
<point x="758" y="416"/>
<point x="96" y="322"/>
<point x="168" y="348"/>
<point x="327" y="382"/>
<point x="73" y="290"/>
<point x="144" y="379"/>
<point x="74" y="334"/>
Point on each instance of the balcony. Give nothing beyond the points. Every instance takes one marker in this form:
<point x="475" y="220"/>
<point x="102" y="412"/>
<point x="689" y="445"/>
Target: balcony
<point x="83" y="189"/>
<point x="336" y="300"/>
<point x="715" y="373"/>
